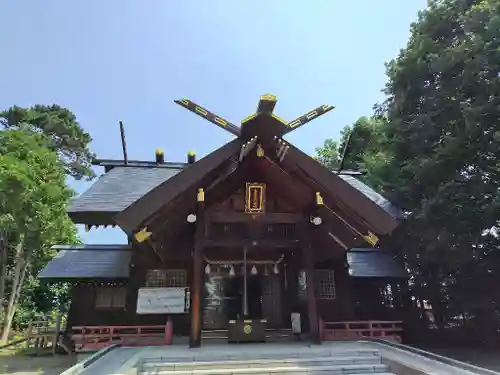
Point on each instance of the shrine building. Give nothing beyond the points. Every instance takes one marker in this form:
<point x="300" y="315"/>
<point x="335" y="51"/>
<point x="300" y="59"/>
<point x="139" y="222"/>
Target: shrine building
<point x="235" y="244"/>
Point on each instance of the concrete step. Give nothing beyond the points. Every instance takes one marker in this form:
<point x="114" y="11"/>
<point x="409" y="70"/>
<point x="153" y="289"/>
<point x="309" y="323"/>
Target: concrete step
<point x="265" y="363"/>
<point x="296" y="370"/>
<point x="260" y="352"/>
<point x="272" y="336"/>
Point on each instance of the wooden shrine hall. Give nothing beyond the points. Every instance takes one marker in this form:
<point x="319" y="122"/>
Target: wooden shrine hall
<point x="255" y="237"/>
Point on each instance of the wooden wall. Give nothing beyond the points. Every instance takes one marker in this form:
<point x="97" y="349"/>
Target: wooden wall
<point x="177" y="254"/>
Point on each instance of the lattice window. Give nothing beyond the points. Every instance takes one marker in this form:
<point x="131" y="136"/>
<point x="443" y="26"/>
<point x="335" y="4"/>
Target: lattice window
<point x="110" y="297"/>
<point x="325" y="282"/>
<point x="166" y="278"/>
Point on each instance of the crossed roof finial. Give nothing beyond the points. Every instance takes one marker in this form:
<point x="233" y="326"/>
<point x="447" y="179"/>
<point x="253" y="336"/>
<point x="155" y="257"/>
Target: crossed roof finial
<point x="263" y="122"/>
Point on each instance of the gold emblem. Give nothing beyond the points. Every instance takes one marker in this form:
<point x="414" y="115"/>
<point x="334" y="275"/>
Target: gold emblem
<point x="255" y="198"/>
<point x="247" y="329"/>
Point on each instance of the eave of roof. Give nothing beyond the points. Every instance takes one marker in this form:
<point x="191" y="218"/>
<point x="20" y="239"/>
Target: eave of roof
<point x="88" y="262"/>
<point x="375" y="263"/>
<point x="115" y="191"/>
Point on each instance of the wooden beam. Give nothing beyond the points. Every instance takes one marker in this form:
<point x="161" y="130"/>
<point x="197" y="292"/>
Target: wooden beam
<point x="209" y="116"/>
<point x="381" y="221"/>
<point x="197" y="285"/>
<point x="341" y="209"/>
<point x="138" y="212"/>
<point x="266" y="104"/>
<point x="299" y="195"/>
<point x="351" y="218"/>
<point x="307" y="117"/>
<point x="307" y="258"/>
<point x="268" y="218"/>
<point x="174" y="216"/>
<point x="256" y="244"/>
<point x="247" y="147"/>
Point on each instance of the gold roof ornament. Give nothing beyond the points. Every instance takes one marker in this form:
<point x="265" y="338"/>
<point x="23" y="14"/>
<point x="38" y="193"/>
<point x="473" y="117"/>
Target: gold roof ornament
<point x="371" y="238"/>
<point x="319" y="199"/>
<point x="201" y="195"/>
<point x="142" y="235"/>
<point x="260" y="151"/>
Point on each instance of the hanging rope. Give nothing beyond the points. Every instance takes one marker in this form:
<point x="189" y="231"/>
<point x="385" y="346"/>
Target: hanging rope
<point x="254" y="262"/>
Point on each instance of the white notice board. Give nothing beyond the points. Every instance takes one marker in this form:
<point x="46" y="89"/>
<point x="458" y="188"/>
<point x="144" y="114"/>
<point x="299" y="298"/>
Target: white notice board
<point x="163" y="300"/>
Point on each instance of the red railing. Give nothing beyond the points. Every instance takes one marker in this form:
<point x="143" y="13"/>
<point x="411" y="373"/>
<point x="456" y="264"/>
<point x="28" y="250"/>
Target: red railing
<point x="355" y="330"/>
<point x="98" y="337"/>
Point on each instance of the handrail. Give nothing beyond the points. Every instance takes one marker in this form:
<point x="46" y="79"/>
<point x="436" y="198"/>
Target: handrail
<point x="96" y="337"/>
<point x="82" y="365"/>
<point x="353" y="330"/>
<point x="436" y="357"/>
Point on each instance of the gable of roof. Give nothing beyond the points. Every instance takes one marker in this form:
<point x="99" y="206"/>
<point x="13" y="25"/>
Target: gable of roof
<point x="88" y="262"/>
<point x="123" y="185"/>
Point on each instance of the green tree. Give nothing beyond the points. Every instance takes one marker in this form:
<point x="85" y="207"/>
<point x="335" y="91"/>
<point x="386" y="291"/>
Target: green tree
<point x="33" y="202"/>
<point x="365" y="151"/>
<point x="441" y="142"/>
<point x="59" y="124"/>
<point x="328" y="154"/>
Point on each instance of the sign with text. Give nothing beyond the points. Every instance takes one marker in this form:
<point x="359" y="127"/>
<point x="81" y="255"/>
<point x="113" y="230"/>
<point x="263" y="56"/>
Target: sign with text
<point x="255" y="198"/>
<point x="163" y="300"/>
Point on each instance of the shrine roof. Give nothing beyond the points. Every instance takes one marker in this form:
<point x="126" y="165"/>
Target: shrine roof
<point x="116" y="190"/>
<point x="375" y="197"/>
<point x="369" y="262"/>
<point x="88" y="262"/>
<point x="123" y="184"/>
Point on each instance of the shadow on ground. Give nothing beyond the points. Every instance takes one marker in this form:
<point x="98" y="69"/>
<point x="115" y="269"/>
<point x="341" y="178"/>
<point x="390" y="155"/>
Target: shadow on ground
<point x="25" y="365"/>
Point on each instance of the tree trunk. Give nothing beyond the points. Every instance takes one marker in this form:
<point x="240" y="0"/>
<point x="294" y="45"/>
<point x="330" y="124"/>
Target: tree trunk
<point x="3" y="270"/>
<point x="21" y="265"/>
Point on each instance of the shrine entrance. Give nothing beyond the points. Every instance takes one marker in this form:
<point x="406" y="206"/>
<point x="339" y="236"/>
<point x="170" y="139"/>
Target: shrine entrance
<point x="232" y="296"/>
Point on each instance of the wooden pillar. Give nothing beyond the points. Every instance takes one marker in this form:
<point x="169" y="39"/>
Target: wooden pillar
<point x="197" y="286"/>
<point x="307" y="258"/>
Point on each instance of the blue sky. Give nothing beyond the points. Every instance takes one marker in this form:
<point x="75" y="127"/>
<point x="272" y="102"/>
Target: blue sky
<point x="128" y="60"/>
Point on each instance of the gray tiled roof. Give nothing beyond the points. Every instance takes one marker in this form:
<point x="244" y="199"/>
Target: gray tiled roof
<point x="374" y="263"/>
<point x="88" y="262"/>
<point x="119" y="188"/>
<point x="375" y="197"/>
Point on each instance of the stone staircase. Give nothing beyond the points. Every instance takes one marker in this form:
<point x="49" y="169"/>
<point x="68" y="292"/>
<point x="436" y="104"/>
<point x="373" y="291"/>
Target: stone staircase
<point x="272" y="336"/>
<point x="293" y="361"/>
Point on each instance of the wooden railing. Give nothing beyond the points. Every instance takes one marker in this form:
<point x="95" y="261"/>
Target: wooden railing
<point x="98" y="337"/>
<point x="355" y="330"/>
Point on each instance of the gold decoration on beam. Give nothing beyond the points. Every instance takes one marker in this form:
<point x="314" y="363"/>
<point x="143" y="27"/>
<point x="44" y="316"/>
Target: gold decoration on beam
<point x="371" y="238"/>
<point x="201" y="195"/>
<point x="260" y="151"/>
<point x="142" y="235"/>
<point x="268" y="97"/>
<point x="255" y="198"/>
<point x="319" y="199"/>
<point x="87" y="228"/>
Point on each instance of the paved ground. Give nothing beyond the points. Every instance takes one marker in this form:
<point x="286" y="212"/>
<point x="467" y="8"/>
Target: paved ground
<point x="484" y="358"/>
<point x="22" y="365"/>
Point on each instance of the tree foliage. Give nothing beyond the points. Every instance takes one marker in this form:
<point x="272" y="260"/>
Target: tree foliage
<point x="433" y="148"/>
<point x="66" y="136"/>
<point x="33" y="203"/>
